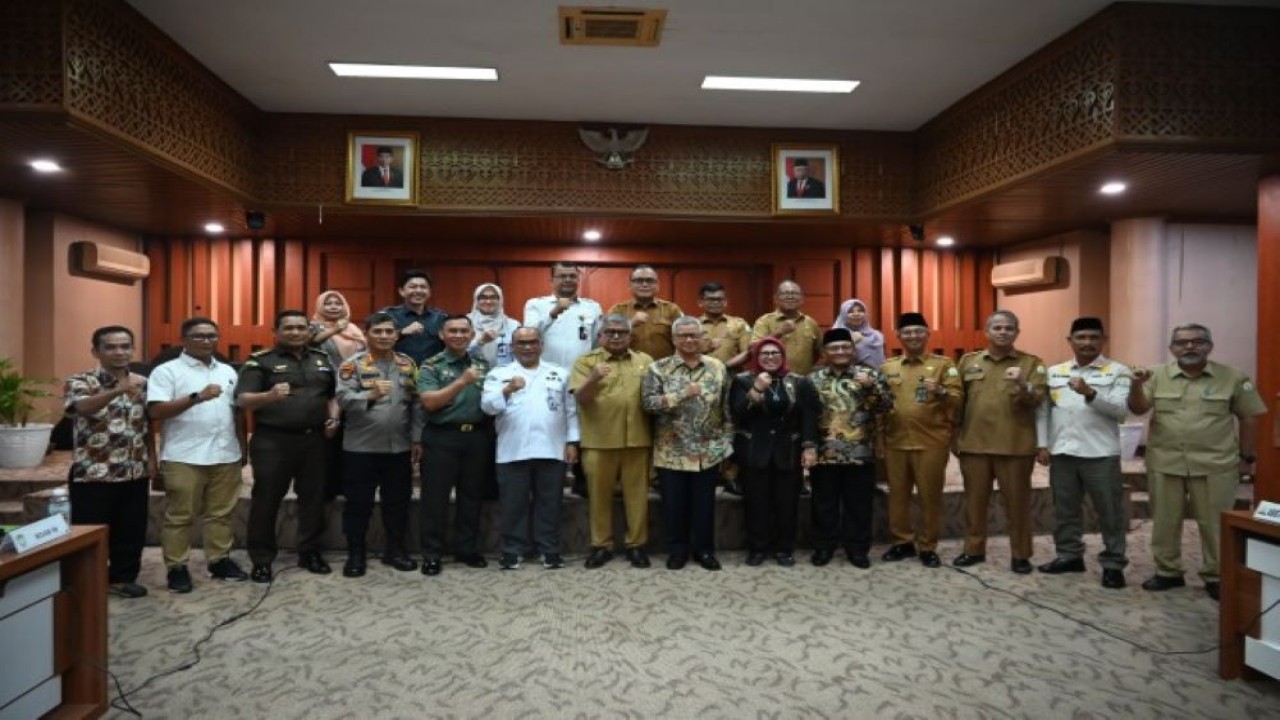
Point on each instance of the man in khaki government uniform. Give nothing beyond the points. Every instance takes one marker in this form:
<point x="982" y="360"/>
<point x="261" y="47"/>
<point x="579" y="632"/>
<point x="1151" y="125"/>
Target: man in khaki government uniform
<point x="1078" y="430"/>
<point x="650" y="316"/>
<point x="927" y="394"/>
<point x="1193" y="450"/>
<point x="1002" y="389"/>
<point x="725" y="337"/>
<point x="799" y="333"/>
<point x="616" y="439"/>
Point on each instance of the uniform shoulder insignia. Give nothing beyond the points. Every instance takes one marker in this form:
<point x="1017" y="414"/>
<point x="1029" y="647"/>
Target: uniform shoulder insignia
<point x="952" y="371"/>
<point x="260" y="353"/>
<point x="1039" y="369"/>
<point x="1247" y="386"/>
<point x="316" y="350"/>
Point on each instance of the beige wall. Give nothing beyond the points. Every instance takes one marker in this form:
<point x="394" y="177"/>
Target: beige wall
<point x="11" y="284"/>
<point x="1083" y="288"/>
<point x="62" y="309"/>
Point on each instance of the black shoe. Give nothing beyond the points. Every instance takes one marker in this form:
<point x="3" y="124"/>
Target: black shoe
<point x="431" y="566"/>
<point x="472" y="560"/>
<point x="901" y="551"/>
<point x="509" y="561"/>
<point x="355" y="565"/>
<point x="226" y="569"/>
<point x="1057" y="566"/>
<point x="930" y="559"/>
<point x="598" y="558"/>
<point x="755" y="559"/>
<point x="1159" y="583"/>
<point x="1214" y="590"/>
<point x="1112" y="578"/>
<point x="400" y="562"/>
<point x="552" y="561"/>
<point x="179" y="579"/>
<point x="261" y="573"/>
<point x="676" y="562"/>
<point x="965" y="560"/>
<point x="821" y="557"/>
<point x="785" y="559"/>
<point x="129" y="590"/>
<point x="313" y="563"/>
<point x="639" y="557"/>
<point x="1022" y="566"/>
<point x="860" y="561"/>
<point x="707" y="561"/>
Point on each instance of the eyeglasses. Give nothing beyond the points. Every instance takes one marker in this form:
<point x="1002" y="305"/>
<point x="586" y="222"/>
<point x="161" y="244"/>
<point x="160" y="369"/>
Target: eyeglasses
<point x="566" y="276"/>
<point x="493" y="298"/>
<point x="204" y="337"/>
<point x="645" y="281"/>
<point x="790" y="294"/>
<point x="528" y="342"/>
<point x="615" y="333"/>
<point x="1197" y="342"/>
<point x="688" y="336"/>
<point x="770" y="353"/>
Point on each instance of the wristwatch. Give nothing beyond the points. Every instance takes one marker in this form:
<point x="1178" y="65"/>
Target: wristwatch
<point x="194" y="398"/>
<point x="1249" y="457"/>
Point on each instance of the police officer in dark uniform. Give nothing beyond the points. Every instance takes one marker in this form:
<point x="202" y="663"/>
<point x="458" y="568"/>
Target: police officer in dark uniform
<point x="289" y="389"/>
<point x="457" y="446"/>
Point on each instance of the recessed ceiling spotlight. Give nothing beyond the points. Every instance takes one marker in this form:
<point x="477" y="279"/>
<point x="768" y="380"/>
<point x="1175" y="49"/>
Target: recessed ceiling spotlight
<point x="591" y="235"/>
<point x="213" y="227"/>
<point x="945" y="241"/>
<point x="45" y="166"/>
<point x="412" y="72"/>
<point x="1113" y="188"/>
<point x="728" y="82"/>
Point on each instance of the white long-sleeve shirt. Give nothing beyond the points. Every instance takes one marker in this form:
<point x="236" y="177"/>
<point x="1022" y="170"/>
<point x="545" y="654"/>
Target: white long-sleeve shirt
<point x="538" y="420"/>
<point x="570" y="335"/>
<point x="1067" y="424"/>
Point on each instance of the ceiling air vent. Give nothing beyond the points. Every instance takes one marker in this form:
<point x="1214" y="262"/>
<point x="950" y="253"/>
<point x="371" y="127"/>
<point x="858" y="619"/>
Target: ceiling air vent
<point x="633" y="27"/>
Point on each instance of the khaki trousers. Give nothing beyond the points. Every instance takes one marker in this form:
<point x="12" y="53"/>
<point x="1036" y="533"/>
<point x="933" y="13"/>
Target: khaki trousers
<point x="1014" y="475"/>
<point x="193" y="490"/>
<point x="926" y="471"/>
<point x="605" y="469"/>
<point x="1209" y="496"/>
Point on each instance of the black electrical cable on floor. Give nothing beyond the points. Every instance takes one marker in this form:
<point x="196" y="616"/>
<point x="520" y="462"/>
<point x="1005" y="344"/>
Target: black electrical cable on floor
<point x="1154" y="651"/>
<point x="121" y="701"/>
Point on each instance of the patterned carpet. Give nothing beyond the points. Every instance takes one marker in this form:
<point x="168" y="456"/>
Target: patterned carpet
<point x="897" y="640"/>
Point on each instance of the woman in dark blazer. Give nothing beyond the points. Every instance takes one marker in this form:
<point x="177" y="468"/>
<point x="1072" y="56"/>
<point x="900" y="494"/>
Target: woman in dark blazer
<point x="775" y="414"/>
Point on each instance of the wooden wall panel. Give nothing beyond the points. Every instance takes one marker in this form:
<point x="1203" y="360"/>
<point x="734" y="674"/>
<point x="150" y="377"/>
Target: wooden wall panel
<point x="242" y="283"/>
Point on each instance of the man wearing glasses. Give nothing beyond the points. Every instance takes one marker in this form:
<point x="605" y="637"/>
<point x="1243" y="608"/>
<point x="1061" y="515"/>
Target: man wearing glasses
<point x="615" y="439"/>
<point x="650" y="316"/>
<point x="567" y="323"/>
<point x="203" y="443"/>
<point x="798" y="332"/>
<point x="1193" y="450"/>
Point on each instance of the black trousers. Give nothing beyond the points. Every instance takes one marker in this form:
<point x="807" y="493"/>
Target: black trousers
<point x="841" y="503"/>
<point x="453" y="459"/>
<point x="772" y="499"/>
<point x="280" y="459"/>
<point x="122" y="507"/>
<point x="689" y="510"/>
<point x="391" y="476"/>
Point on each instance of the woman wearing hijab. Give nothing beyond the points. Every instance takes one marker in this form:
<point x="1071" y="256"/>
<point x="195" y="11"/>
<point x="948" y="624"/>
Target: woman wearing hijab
<point x="493" y="327"/>
<point x="333" y="333"/>
<point x="776" y="416"/>
<point x="868" y="343"/>
<point x="332" y="330"/>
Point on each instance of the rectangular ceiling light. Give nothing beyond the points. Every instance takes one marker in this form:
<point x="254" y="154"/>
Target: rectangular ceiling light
<point x="416" y="72"/>
<point x="726" y="82"/>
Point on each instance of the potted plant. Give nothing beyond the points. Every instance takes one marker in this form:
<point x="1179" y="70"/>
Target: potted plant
<point x="22" y="443"/>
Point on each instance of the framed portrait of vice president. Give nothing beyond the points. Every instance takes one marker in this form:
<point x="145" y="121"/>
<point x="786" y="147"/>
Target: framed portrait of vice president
<point x="806" y="179"/>
<point x="382" y="168"/>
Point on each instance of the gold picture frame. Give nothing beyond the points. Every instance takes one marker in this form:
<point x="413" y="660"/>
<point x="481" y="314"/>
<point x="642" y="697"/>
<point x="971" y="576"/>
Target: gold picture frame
<point x="382" y="168"/>
<point x="806" y="179"/>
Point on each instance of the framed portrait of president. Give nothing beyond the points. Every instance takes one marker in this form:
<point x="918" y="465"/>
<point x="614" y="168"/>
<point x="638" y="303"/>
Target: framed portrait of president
<point x="806" y="179"/>
<point x="382" y="168"/>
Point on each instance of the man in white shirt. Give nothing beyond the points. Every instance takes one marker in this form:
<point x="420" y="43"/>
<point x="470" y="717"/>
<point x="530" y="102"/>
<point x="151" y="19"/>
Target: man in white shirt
<point x="1078" y="433"/>
<point x="203" y="440"/>
<point x="567" y="323"/>
<point x="537" y="426"/>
